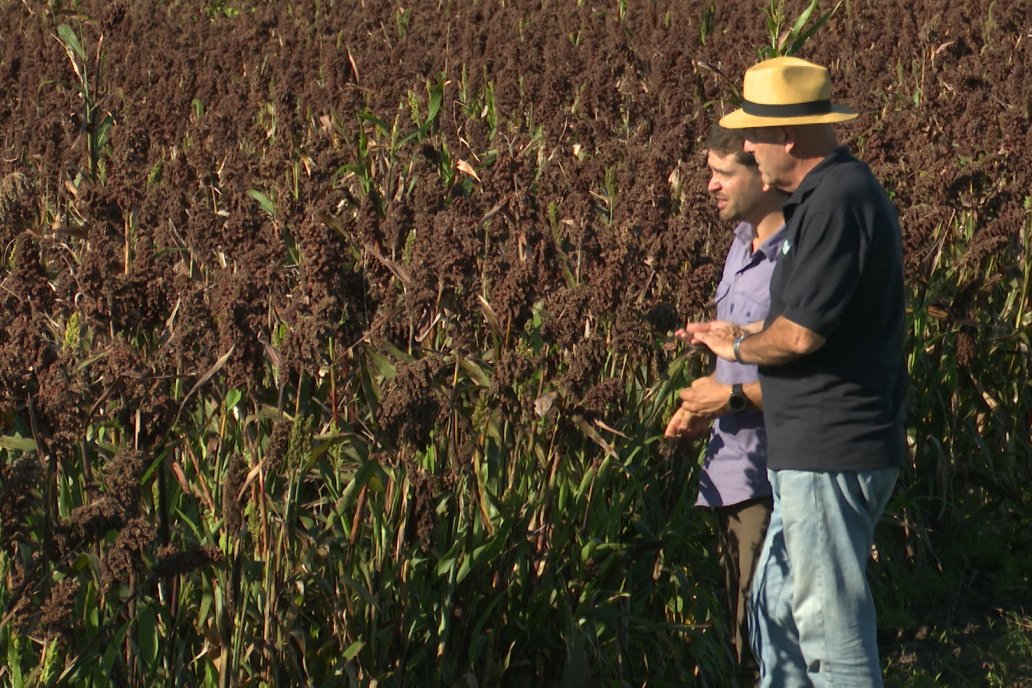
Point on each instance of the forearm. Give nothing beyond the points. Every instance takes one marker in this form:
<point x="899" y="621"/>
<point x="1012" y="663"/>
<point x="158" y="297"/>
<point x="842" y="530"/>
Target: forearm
<point x="753" y="392"/>
<point x="784" y="341"/>
<point x="709" y="398"/>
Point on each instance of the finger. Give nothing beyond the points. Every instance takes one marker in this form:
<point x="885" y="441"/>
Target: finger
<point x="673" y="428"/>
<point x="674" y="425"/>
<point x="693" y="327"/>
<point x="699" y="338"/>
<point x="693" y="407"/>
<point x="706" y="337"/>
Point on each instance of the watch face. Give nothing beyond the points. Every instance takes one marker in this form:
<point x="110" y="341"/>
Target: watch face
<point x="738" y="401"/>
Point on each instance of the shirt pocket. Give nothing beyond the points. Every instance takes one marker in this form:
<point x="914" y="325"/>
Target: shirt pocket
<point x="721" y="300"/>
<point x="750" y="306"/>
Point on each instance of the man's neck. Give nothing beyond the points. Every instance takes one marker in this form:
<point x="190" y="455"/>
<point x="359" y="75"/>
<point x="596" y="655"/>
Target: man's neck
<point x="804" y="165"/>
<point x="766" y="227"/>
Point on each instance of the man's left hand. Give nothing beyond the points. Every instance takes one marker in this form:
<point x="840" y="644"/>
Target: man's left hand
<point x="706" y="397"/>
<point x="687" y="425"/>
<point x="721" y="341"/>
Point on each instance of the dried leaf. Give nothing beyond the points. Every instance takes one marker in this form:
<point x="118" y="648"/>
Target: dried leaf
<point x="467" y="169"/>
<point x="544" y="403"/>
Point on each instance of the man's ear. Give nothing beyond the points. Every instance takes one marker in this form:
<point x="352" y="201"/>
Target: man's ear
<point x="789" y="138"/>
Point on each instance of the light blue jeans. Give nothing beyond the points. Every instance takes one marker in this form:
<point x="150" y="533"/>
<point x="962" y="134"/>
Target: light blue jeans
<point x="811" y="612"/>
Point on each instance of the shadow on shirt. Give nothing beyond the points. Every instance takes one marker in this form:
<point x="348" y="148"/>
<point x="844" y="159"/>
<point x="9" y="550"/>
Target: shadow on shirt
<point x="741" y="469"/>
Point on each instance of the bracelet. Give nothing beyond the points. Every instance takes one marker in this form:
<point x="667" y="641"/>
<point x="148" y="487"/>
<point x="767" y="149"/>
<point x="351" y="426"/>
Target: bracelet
<point x="737" y="347"/>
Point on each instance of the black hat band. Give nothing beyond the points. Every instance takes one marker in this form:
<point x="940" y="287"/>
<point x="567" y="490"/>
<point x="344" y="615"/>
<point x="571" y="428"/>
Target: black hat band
<point x="816" y="107"/>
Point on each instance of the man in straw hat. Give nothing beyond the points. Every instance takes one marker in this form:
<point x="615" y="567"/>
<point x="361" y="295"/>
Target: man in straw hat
<point x="830" y="357"/>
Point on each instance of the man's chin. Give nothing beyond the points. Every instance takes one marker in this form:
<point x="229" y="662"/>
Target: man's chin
<point x="769" y="184"/>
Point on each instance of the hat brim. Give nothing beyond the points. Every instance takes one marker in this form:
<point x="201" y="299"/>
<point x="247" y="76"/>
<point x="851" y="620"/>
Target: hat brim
<point x="740" y="119"/>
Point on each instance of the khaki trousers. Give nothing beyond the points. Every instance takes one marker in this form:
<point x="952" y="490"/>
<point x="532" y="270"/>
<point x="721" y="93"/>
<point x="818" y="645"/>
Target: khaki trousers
<point x="739" y="539"/>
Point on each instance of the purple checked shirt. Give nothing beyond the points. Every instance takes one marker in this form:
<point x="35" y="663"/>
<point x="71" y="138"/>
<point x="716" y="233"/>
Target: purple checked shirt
<point x="735" y="467"/>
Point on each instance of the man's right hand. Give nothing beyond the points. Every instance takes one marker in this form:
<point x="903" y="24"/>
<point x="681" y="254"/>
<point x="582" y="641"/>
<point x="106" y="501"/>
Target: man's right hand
<point x="706" y="397"/>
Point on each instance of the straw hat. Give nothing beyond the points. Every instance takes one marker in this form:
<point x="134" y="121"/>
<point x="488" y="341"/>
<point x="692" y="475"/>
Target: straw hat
<point x="786" y="91"/>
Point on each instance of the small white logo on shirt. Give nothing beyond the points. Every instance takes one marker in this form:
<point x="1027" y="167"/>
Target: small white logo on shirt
<point x="785" y="246"/>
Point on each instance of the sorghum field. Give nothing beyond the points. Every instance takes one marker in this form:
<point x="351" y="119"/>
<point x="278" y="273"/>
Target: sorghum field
<point x="335" y="339"/>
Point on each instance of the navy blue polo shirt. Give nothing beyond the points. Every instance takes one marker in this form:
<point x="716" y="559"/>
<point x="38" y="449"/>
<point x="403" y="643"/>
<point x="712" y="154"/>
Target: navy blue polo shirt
<point x="840" y="274"/>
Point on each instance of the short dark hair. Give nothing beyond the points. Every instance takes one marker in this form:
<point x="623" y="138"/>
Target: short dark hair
<point x="724" y="141"/>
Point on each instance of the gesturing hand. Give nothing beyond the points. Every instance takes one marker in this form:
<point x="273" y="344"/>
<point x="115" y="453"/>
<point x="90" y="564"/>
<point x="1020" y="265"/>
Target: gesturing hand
<point x="720" y="341"/>
<point x="687" y="425"/>
<point x="706" y="397"/>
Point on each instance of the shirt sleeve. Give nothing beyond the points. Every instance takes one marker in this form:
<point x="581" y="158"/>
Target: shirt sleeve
<point x="827" y="270"/>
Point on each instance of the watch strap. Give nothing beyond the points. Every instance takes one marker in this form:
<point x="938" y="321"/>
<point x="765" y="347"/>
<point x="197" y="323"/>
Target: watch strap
<point x="738" y="400"/>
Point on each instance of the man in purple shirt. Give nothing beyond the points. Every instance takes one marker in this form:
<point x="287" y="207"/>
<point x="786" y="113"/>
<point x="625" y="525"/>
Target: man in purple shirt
<point x="733" y="480"/>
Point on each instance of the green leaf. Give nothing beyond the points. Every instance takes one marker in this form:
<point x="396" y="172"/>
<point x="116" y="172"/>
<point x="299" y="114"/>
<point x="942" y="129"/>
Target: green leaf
<point x="446" y="565"/>
<point x="17" y="443"/>
<point x="352" y="651"/>
<point x="209" y="374"/>
<point x="802" y="39"/>
<point x="414" y="135"/>
<point x="147" y="635"/>
<point x="204" y="607"/>
<point x="380" y="125"/>
<point x="362" y="592"/>
<point x="370" y="471"/>
<point x="71" y="40"/>
<point x="233" y="397"/>
<point x="263" y="201"/>
<point x="803" y="18"/>
<point x="434" y="106"/>
<point x="381" y="364"/>
<point x="586" y="480"/>
<point x="14" y="646"/>
<point x="103" y="128"/>
<point x="486" y="552"/>
<point x="475" y="372"/>
<point x="107" y="661"/>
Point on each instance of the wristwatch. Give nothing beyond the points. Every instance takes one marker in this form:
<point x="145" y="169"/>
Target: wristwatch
<point x="738" y="401"/>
